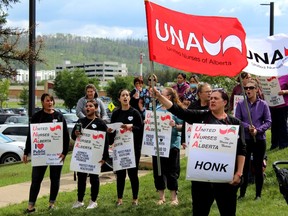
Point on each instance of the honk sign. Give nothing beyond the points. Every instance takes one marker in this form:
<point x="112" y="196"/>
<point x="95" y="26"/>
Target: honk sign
<point x="212" y="152"/>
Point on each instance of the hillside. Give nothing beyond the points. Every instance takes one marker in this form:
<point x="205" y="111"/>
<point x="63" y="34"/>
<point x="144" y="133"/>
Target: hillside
<point x="60" y="47"/>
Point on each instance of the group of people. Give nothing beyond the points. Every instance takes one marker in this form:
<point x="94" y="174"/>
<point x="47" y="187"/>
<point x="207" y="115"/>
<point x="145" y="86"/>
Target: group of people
<point x="192" y="102"/>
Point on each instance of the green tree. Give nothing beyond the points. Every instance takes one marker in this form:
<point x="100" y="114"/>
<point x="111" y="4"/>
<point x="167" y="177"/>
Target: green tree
<point x="114" y="87"/>
<point x="4" y="91"/>
<point x="24" y="97"/>
<point x="11" y="51"/>
<point x="70" y="85"/>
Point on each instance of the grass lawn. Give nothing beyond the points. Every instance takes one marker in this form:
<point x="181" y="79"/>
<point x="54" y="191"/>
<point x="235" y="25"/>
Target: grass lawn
<point x="272" y="202"/>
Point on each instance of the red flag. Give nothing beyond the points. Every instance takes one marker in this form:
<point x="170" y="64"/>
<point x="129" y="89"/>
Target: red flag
<point x="214" y="46"/>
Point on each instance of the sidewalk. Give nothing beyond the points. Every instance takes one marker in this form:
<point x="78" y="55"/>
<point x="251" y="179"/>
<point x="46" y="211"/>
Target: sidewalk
<point x="17" y="193"/>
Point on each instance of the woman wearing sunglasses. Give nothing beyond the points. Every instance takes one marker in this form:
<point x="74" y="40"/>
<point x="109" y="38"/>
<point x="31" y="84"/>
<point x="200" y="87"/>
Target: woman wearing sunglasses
<point x="254" y="135"/>
<point x="204" y="193"/>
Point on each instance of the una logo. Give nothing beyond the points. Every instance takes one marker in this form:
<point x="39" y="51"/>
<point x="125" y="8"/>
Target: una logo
<point x="271" y="78"/>
<point x="57" y="127"/>
<point x="122" y="130"/>
<point x="228" y="130"/>
<point x="167" y="117"/>
<point x="97" y="136"/>
<point x="264" y="57"/>
<point x="39" y="145"/>
<point x="231" y="41"/>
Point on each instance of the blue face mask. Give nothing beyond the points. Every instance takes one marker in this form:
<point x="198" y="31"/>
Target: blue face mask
<point x="193" y="85"/>
<point x="181" y="84"/>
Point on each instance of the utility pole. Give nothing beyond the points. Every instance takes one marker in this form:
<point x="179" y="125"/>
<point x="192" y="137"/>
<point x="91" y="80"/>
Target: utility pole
<point x="271" y="17"/>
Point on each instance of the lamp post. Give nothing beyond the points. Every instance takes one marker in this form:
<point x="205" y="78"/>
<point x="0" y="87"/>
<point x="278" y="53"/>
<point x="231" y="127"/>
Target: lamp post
<point x="32" y="30"/>
<point x="271" y="17"/>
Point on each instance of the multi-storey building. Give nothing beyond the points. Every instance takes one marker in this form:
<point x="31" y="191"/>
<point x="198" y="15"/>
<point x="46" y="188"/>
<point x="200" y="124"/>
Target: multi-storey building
<point x="104" y="71"/>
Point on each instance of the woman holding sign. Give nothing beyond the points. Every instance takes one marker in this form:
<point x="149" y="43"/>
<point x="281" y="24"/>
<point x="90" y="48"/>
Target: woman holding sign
<point x="46" y="115"/>
<point x="204" y="193"/>
<point x="91" y="122"/>
<point x="170" y="167"/>
<point x="132" y="120"/>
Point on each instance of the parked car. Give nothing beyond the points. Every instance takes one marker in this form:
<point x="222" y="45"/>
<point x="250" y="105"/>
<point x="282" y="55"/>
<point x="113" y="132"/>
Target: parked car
<point x="10" y="151"/>
<point x="4" y="116"/>
<point x="21" y="111"/>
<point x="17" y="120"/>
<point x="17" y="132"/>
<point x="70" y="118"/>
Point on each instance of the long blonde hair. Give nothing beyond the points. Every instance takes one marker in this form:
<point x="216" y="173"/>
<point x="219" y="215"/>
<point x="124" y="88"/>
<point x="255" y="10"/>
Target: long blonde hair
<point x="174" y="96"/>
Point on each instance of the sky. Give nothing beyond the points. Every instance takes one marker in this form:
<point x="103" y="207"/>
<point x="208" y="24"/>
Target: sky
<point x="122" y="19"/>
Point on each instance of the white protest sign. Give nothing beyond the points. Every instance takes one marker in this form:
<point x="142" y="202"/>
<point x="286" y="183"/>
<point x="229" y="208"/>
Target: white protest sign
<point x="46" y="143"/>
<point x="123" y="150"/>
<point x="270" y="87"/>
<point x="88" y="151"/>
<point x="115" y="126"/>
<point x="212" y="152"/>
<point x="237" y="98"/>
<point x="188" y="129"/>
<point x="267" y="56"/>
<point x="164" y="134"/>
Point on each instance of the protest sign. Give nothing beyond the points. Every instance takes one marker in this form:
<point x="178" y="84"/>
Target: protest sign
<point x="46" y="143"/>
<point x="270" y="87"/>
<point x="164" y="134"/>
<point x="212" y="152"/>
<point x="88" y="151"/>
<point x="123" y="150"/>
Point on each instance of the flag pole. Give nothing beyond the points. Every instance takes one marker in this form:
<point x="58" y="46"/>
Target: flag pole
<point x="246" y="103"/>
<point x="155" y="119"/>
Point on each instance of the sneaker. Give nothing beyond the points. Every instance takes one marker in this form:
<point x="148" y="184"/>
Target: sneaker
<point x="78" y="204"/>
<point x="52" y="207"/>
<point x="29" y="211"/>
<point x="92" y="205"/>
<point x="257" y="198"/>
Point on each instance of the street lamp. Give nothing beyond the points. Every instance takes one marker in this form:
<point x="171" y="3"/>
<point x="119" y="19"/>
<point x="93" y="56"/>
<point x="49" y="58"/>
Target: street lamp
<point x="271" y="17"/>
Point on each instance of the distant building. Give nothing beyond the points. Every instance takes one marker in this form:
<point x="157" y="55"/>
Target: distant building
<point x="104" y="71"/>
<point x="23" y="75"/>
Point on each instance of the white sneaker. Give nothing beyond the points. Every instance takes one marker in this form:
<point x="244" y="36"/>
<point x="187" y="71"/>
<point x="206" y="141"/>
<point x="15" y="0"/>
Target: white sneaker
<point x="92" y="205"/>
<point x="78" y="204"/>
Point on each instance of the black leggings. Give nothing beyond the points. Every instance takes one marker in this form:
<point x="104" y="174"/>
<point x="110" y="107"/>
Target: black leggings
<point x="94" y="181"/>
<point x="170" y="170"/>
<point x="258" y="150"/>
<point x="38" y="173"/>
<point x="204" y="194"/>
<point x="134" y="180"/>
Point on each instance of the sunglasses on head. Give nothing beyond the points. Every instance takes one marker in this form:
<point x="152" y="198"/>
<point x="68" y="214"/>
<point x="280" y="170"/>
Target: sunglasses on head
<point x="249" y="87"/>
<point x="218" y="90"/>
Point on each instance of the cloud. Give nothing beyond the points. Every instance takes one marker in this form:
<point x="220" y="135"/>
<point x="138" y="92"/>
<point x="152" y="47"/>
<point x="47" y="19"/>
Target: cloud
<point x="227" y="11"/>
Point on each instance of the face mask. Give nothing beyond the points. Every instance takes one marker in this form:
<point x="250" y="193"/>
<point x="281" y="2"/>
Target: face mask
<point x="180" y="84"/>
<point x="193" y="85"/>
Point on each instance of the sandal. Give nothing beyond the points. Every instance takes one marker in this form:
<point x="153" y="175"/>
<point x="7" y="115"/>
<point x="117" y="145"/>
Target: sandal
<point x="160" y="202"/>
<point x="119" y="203"/>
<point x="174" y="202"/>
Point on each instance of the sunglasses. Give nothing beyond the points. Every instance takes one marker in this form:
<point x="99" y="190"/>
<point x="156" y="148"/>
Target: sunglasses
<point x="249" y="87"/>
<point x="151" y="79"/>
